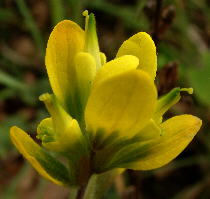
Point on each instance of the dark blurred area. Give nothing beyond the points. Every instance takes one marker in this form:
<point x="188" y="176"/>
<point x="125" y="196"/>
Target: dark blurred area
<point x="181" y="31"/>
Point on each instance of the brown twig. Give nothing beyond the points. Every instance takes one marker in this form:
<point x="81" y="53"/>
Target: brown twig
<point x="157" y="21"/>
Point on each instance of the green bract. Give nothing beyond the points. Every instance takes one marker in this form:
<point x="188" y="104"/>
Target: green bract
<point x="104" y="115"/>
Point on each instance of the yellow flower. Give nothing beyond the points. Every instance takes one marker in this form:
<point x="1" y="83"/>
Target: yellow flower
<point x="105" y="115"/>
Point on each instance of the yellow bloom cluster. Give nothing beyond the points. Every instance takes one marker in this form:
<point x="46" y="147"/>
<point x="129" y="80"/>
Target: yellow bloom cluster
<point x="105" y="115"/>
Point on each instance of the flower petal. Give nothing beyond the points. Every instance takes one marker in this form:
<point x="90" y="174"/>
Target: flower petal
<point x="177" y="134"/>
<point x="66" y="40"/>
<point x="103" y="58"/>
<point x="122" y="104"/>
<point x="142" y="46"/>
<point x="44" y="163"/>
<point x="85" y="72"/>
<point x="64" y="131"/>
<point x="116" y="67"/>
<point x="151" y="131"/>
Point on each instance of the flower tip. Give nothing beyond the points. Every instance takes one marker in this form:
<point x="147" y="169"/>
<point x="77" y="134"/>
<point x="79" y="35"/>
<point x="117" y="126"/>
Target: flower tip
<point x="45" y="97"/>
<point x="189" y="90"/>
<point x="92" y="20"/>
<point x="85" y="13"/>
<point x="196" y="123"/>
<point x="13" y="130"/>
<point x="199" y="122"/>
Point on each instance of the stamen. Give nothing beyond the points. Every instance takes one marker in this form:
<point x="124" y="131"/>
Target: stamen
<point x="189" y="90"/>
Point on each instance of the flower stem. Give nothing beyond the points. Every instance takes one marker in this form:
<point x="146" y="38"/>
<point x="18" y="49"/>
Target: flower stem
<point x="77" y="192"/>
<point x="73" y="192"/>
<point x="81" y="192"/>
<point x="97" y="185"/>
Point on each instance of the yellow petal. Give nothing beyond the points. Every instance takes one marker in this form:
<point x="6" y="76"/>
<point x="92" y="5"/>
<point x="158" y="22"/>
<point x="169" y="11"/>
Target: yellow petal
<point x="122" y="104"/>
<point x="103" y="58"/>
<point x="64" y="130"/>
<point x="177" y="134"/>
<point x="142" y="46"/>
<point x="150" y="131"/>
<point x="85" y="72"/>
<point x="66" y="40"/>
<point x="47" y="134"/>
<point x="60" y="117"/>
<point x="45" y="131"/>
<point x="45" y="164"/>
<point x="116" y="67"/>
<point x="68" y="139"/>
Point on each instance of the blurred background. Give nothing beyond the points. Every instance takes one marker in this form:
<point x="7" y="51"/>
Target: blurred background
<point x="181" y="31"/>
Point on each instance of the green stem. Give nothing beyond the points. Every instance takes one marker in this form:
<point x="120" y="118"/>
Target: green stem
<point x="73" y="192"/>
<point x="100" y="183"/>
<point x="77" y="192"/>
<point x="81" y="192"/>
<point x="96" y="187"/>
